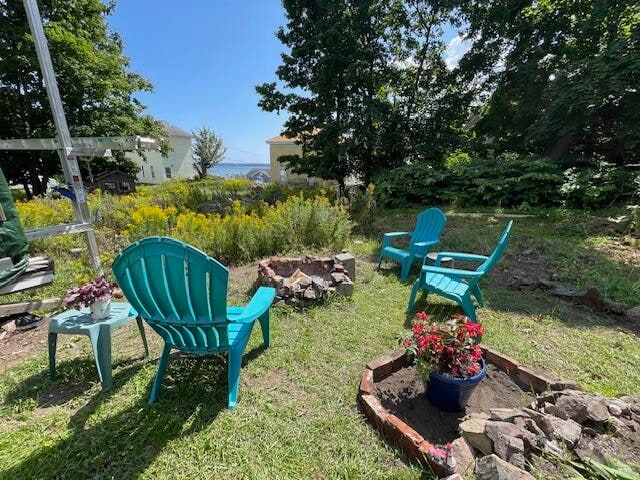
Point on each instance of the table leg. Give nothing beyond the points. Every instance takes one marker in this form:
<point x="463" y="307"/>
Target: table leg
<point x="53" y="342"/>
<point x="143" y="335"/>
<point x="101" y="344"/>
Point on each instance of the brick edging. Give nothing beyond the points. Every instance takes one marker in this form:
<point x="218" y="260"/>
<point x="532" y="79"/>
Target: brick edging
<point x="414" y="446"/>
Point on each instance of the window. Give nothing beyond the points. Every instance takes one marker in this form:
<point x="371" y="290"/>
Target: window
<point x="110" y="186"/>
<point x="142" y="169"/>
<point x="167" y="171"/>
<point x="125" y="187"/>
<point x="153" y="172"/>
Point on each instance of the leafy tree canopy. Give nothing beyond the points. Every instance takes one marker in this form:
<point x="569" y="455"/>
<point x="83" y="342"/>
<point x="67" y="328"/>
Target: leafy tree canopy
<point x="562" y="75"/>
<point x="365" y="85"/>
<point x="96" y="85"/>
<point x="208" y="150"/>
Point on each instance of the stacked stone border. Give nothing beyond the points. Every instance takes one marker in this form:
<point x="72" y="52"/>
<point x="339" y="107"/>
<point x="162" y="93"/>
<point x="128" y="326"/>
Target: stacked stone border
<point x="414" y="446"/>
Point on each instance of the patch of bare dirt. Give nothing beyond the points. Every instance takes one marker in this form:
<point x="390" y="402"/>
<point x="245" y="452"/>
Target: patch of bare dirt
<point x="22" y="344"/>
<point x="242" y="279"/>
<point x="403" y="393"/>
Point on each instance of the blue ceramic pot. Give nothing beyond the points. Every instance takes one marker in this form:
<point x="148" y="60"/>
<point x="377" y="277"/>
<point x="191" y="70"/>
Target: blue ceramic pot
<point x="451" y="394"/>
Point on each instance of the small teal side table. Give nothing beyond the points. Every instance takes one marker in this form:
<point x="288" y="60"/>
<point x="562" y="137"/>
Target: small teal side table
<point x="79" y="322"/>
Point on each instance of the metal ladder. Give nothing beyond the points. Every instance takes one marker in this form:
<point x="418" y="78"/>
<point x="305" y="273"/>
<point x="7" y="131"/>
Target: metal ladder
<point x="69" y="149"/>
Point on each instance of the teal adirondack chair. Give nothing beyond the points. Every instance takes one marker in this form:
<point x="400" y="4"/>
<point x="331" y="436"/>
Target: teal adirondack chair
<point x="459" y="285"/>
<point x="425" y="235"/>
<point x="182" y="293"/>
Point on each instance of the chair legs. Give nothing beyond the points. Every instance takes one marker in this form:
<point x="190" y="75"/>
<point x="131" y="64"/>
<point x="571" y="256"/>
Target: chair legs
<point x="162" y="369"/>
<point x="264" y="326"/>
<point x="235" y="361"/>
<point x="414" y="294"/>
<point x="406" y="268"/>
<point x="467" y="306"/>
<point x="475" y="290"/>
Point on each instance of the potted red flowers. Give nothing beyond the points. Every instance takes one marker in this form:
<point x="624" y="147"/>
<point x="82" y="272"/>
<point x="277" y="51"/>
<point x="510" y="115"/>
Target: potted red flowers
<point x="449" y="358"/>
<point x="96" y="295"/>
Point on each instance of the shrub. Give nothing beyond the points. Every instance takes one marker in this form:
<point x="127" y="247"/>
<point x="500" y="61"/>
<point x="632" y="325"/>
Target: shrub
<point x="43" y="212"/>
<point x="242" y="234"/>
<point x="149" y="220"/>
<point x="275" y="192"/>
<point x="509" y="180"/>
<point x="363" y="208"/>
<point x="297" y="224"/>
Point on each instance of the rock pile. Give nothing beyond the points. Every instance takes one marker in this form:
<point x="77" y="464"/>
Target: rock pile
<point x="301" y="280"/>
<point x="558" y="423"/>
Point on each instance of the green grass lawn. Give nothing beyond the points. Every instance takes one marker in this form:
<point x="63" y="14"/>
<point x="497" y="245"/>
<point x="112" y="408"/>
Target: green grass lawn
<point x="297" y="415"/>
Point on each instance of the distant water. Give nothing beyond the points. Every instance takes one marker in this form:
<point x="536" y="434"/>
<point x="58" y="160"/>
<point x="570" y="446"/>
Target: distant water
<point x="235" y="169"/>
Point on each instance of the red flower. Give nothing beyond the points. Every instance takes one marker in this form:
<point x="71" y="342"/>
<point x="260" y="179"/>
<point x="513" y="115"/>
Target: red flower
<point x="473" y="369"/>
<point x="450" y="348"/>
<point x="473" y="329"/>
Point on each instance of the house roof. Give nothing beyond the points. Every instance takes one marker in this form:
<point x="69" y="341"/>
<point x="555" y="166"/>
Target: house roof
<point x="174" y="131"/>
<point x="255" y="171"/>
<point x="282" y="140"/>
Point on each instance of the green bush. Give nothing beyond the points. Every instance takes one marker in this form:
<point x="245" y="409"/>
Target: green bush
<point x="511" y="181"/>
<point x="275" y="192"/>
<point x="241" y="235"/>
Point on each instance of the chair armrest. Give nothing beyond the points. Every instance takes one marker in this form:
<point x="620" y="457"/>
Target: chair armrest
<point x="452" y="272"/>
<point x="398" y="234"/>
<point x="427" y="244"/>
<point x="471" y="257"/>
<point x="259" y="303"/>
<point x="388" y="237"/>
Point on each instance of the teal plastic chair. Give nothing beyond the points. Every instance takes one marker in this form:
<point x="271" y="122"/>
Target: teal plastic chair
<point x="425" y="235"/>
<point x="182" y="293"/>
<point x="459" y="285"/>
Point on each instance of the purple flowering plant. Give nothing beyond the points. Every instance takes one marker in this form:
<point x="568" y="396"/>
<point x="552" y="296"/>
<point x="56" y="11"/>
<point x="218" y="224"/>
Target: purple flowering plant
<point x="99" y="290"/>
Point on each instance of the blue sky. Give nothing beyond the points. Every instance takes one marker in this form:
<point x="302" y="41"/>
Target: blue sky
<point x="204" y="59"/>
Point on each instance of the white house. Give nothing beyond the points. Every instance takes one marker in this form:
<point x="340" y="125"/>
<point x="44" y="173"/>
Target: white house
<point x="259" y="175"/>
<point x="177" y="164"/>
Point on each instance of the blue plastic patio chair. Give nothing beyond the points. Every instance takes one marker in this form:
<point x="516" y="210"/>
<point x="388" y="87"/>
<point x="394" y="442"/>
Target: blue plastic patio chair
<point x="425" y="235"/>
<point x="459" y="285"/>
<point x="182" y="293"/>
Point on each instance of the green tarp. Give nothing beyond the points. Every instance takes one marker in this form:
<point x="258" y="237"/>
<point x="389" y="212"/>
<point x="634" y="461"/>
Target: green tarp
<point x="13" y="243"/>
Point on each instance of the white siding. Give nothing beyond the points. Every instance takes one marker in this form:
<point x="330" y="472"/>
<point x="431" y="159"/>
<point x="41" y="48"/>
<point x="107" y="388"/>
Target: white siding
<point x="179" y="160"/>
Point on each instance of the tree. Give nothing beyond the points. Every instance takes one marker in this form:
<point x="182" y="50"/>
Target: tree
<point x="96" y="85"/>
<point x="562" y="76"/>
<point x="208" y="150"/>
<point x="365" y="86"/>
<point x="331" y="78"/>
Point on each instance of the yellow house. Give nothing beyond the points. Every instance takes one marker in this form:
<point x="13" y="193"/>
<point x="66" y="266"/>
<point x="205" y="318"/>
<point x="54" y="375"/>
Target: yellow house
<point x="279" y="147"/>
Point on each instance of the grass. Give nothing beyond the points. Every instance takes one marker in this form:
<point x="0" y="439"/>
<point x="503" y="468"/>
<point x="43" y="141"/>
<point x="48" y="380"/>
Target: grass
<point x="297" y="415"/>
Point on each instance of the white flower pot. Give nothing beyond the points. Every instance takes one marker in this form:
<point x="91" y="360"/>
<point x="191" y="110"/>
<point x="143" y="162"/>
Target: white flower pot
<point x="100" y="309"/>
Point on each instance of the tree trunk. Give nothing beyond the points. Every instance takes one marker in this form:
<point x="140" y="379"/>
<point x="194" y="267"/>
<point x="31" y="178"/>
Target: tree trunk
<point x="36" y="184"/>
<point x="25" y="185"/>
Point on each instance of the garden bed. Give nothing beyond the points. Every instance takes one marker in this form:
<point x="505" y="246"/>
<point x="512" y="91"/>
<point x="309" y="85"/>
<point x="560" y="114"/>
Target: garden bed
<point x="403" y="394"/>
<point x="391" y="397"/>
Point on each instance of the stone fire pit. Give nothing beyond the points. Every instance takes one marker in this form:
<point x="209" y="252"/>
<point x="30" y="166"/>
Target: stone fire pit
<point x="306" y="279"/>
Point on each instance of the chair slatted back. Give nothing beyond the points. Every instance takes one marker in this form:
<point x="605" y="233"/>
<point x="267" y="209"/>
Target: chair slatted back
<point x="428" y="227"/>
<point x="488" y="264"/>
<point x="179" y="290"/>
